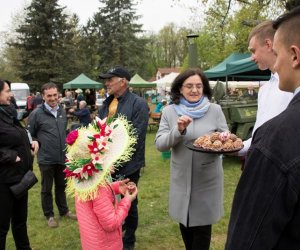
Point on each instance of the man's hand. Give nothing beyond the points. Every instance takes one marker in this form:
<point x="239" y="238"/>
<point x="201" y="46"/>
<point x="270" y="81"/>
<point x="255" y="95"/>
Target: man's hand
<point x="34" y="147"/>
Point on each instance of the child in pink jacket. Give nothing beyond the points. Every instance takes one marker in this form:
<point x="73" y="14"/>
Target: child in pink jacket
<point x="100" y="220"/>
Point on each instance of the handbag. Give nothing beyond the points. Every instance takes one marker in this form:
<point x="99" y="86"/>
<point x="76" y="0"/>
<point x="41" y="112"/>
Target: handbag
<point x="27" y="182"/>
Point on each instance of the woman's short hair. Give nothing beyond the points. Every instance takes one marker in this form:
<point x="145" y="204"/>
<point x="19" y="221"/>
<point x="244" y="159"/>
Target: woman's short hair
<point x="177" y="84"/>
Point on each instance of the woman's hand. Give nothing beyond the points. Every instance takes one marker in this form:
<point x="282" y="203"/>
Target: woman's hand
<point x="34" y="147"/>
<point x="131" y="187"/>
<point x="183" y="122"/>
<point x="123" y="186"/>
<point x="131" y="195"/>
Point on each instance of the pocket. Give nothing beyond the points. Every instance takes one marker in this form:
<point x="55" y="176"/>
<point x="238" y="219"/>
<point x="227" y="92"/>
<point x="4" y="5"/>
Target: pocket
<point x="208" y="163"/>
<point x="18" y="164"/>
<point x="27" y="182"/>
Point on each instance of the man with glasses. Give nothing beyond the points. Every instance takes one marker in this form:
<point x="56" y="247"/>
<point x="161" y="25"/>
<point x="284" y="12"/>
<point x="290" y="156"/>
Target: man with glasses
<point x="136" y="110"/>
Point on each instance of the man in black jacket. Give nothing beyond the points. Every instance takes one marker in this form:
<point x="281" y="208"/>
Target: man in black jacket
<point x="48" y="124"/>
<point x="136" y="110"/>
<point x="266" y="207"/>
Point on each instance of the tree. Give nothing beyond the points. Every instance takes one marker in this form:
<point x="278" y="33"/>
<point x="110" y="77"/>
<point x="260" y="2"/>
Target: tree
<point x="172" y="42"/>
<point x="10" y="56"/>
<point x="117" y="36"/>
<point x="46" y="42"/>
<point x="168" y="48"/>
<point x="227" y="25"/>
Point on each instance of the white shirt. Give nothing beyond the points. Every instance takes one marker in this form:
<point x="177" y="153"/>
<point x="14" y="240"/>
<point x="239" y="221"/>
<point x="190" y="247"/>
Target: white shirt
<point x="271" y="101"/>
<point x="52" y="110"/>
<point x="297" y="90"/>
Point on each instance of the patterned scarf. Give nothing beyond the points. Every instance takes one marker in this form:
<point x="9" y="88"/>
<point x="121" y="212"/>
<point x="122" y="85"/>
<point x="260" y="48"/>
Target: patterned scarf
<point x="194" y="110"/>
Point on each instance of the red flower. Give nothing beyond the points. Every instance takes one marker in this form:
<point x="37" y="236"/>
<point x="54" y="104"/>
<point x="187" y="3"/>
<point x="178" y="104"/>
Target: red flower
<point x="102" y="128"/>
<point x="93" y="148"/>
<point x="70" y="173"/>
<point x="89" y="169"/>
<point x="71" y="137"/>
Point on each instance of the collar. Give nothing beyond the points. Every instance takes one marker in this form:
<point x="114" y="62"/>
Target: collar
<point x="50" y="108"/>
<point x="274" y="77"/>
<point x="297" y="90"/>
<point x="120" y="98"/>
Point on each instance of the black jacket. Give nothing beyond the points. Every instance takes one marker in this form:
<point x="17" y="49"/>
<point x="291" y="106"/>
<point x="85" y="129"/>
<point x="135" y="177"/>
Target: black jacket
<point x="136" y="110"/>
<point x="14" y="142"/>
<point x="266" y="208"/>
<point x="51" y="133"/>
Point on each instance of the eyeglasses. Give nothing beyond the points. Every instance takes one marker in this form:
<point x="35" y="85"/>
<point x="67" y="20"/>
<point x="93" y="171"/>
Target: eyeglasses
<point x="192" y="86"/>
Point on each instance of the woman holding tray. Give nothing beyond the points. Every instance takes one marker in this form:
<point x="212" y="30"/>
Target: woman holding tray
<point x="196" y="186"/>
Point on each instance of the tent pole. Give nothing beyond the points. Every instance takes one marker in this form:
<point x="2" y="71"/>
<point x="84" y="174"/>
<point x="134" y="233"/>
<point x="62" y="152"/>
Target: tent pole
<point x="226" y="89"/>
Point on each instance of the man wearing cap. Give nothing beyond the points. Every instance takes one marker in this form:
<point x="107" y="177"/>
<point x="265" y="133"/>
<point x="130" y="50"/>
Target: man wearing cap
<point x="79" y="97"/>
<point x="136" y="110"/>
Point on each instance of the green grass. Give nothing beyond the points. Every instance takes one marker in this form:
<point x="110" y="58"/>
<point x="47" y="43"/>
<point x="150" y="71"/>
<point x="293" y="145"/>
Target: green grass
<point x="156" y="230"/>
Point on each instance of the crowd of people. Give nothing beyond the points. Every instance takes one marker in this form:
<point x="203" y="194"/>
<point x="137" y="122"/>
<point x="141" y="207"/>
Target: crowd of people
<point x="265" y="211"/>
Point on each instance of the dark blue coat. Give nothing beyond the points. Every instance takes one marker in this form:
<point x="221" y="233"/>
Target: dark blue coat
<point x="136" y="110"/>
<point x="84" y="116"/>
<point x="266" y="208"/>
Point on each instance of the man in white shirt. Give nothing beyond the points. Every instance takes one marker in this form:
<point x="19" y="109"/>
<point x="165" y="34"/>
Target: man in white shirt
<point x="271" y="100"/>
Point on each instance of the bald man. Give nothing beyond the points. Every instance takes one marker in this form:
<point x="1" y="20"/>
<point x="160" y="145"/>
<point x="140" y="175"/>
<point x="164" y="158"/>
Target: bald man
<point x="83" y="113"/>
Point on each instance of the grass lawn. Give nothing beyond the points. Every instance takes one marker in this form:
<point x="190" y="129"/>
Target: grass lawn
<point x="156" y="230"/>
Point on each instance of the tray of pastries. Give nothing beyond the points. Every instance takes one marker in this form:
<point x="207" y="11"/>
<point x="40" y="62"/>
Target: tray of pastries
<point x="216" y="143"/>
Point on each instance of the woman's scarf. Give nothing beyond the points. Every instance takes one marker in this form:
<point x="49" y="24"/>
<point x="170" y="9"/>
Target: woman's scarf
<point x="9" y="111"/>
<point x="194" y="110"/>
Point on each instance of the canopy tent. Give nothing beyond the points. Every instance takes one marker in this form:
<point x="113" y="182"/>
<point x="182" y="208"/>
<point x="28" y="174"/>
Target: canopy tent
<point x="237" y="66"/>
<point x="220" y="70"/>
<point x="138" y="82"/>
<point x="245" y="68"/>
<point x="166" y="81"/>
<point x="82" y="82"/>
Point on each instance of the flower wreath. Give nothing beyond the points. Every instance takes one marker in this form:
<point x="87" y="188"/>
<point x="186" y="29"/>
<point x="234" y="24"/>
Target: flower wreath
<point x="95" y="151"/>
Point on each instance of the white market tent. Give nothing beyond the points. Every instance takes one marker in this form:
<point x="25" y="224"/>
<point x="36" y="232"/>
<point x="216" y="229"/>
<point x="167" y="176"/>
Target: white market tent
<point x="238" y="84"/>
<point x="166" y="81"/>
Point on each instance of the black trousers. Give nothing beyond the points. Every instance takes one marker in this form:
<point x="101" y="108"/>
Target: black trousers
<point x="196" y="238"/>
<point x="50" y="173"/>
<point x="131" y="221"/>
<point x="14" y="212"/>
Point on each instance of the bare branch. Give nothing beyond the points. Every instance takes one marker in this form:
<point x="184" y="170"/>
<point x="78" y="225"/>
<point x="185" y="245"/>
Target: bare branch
<point x="226" y="14"/>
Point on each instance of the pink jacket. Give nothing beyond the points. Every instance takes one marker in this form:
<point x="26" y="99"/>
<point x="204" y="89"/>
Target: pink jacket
<point x="100" y="220"/>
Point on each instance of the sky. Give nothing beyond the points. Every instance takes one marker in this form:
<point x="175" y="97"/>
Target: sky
<point x="155" y="13"/>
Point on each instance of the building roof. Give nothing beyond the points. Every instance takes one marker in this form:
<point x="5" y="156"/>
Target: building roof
<point x="168" y="70"/>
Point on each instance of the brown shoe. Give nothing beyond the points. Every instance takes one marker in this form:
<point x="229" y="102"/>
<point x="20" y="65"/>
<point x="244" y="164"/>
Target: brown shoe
<point x="70" y="215"/>
<point x="52" y="223"/>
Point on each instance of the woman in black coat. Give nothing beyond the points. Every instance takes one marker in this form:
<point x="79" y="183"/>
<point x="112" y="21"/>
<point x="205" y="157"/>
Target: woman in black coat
<point x="16" y="157"/>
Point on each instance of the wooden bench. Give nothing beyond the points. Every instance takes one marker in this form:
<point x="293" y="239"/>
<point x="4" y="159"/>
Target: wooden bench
<point x="154" y="120"/>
